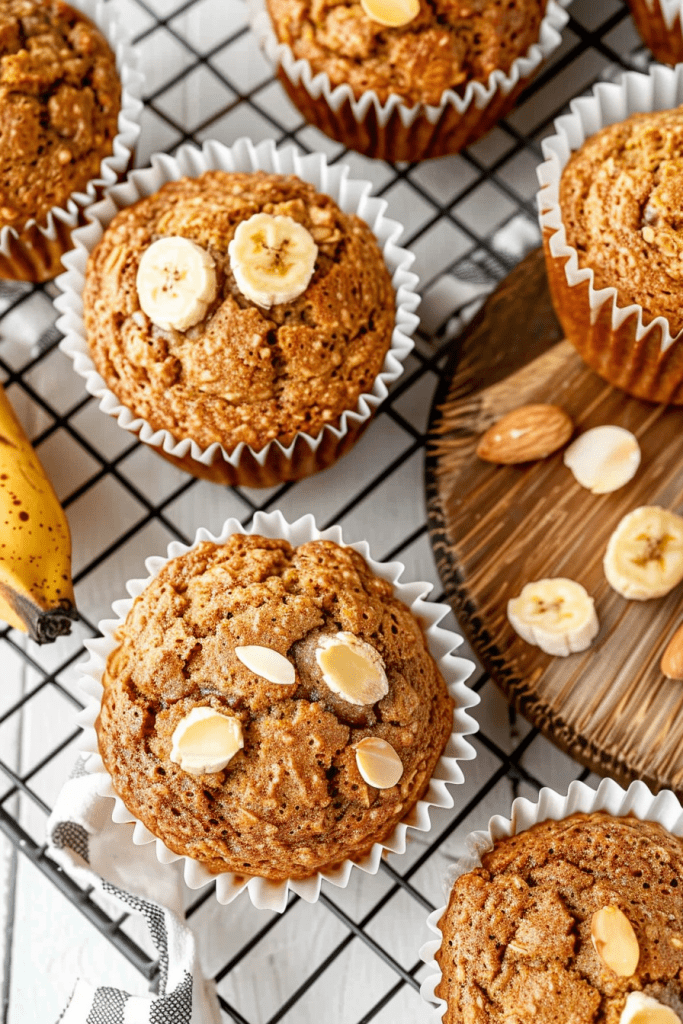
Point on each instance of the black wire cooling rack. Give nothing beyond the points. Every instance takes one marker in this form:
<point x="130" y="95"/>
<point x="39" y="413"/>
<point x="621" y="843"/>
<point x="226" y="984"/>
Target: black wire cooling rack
<point x="469" y="219"/>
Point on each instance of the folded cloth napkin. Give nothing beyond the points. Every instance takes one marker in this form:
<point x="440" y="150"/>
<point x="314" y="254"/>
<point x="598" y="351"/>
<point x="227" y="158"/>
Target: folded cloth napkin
<point x="84" y="840"/>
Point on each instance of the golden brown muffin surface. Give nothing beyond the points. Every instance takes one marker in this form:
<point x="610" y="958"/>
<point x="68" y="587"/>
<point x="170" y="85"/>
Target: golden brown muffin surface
<point x="517" y="930"/>
<point x="292" y="801"/>
<point x="448" y="44"/>
<point x="242" y="374"/>
<point x="60" y="97"/>
<point x="621" y="197"/>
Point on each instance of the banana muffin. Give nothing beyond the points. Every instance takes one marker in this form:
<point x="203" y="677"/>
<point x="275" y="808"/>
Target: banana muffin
<point x="60" y="97"/>
<point x="659" y="31"/>
<point x="619" y="200"/>
<point x="575" y="920"/>
<point x="444" y="46"/>
<point x="271" y="710"/>
<point x="238" y="308"/>
<point x="421" y="54"/>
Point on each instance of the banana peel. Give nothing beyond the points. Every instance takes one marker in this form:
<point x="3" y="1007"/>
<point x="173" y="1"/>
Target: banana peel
<point x="36" y="589"/>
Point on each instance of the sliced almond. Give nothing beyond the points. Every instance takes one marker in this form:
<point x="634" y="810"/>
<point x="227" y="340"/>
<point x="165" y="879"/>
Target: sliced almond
<point x="642" y="1009"/>
<point x="526" y="434"/>
<point x="672" y="659"/>
<point x="205" y="741"/>
<point x="378" y="762"/>
<point x="267" y="663"/>
<point x="615" y="941"/>
<point x="352" y="668"/>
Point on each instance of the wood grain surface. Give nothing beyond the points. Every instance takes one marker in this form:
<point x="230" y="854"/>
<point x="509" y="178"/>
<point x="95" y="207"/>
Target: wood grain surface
<point x="495" y="528"/>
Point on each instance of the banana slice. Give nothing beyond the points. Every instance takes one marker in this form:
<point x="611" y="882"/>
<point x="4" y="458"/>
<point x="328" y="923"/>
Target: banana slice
<point x="272" y="259"/>
<point x="642" y="1009"/>
<point x="392" y="13"/>
<point x="557" y="615"/>
<point x="644" y="557"/>
<point x="604" y="458"/>
<point x="176" y="283"/>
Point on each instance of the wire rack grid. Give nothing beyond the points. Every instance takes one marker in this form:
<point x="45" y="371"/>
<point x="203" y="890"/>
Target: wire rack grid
<point x="468" y="219"/>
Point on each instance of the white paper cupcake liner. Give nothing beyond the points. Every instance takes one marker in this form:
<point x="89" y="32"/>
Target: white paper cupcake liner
<point x="60" y="220"/>
<point x="353" y="196"/>
<point x="660" y="89"/>
<point x="479" y="94"/>
<point x="267" y="894"/>
<point x="638" y="800"/>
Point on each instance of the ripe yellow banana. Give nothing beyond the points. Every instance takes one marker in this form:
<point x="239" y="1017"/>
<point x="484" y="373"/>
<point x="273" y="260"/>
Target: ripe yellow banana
<point x="36" y="592"/>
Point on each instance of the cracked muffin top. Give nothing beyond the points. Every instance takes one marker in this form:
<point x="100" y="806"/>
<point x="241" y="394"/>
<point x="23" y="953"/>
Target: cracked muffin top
<point x="524" y="935"/>
<point x="447" y="45"/>
<point x="293" y="798"/>
<point x="60" y="97"/>
<point x="242" y="373"/>
<point x="621" y="196"/>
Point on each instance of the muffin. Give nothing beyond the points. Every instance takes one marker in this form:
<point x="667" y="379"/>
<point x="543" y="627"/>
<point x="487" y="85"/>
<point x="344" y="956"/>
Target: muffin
<point x="242" y="629"/>
<point x="659" y="24"/>
<point x="563" y="921"/>
<point x="60" y="103"/>
<point x="241" y="319"/>
<point x="407" y="80"/>
<point x="611" y="234"/>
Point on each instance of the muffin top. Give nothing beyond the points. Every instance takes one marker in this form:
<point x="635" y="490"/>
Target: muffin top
<point x="243" y="373"/>
<point x="60" y="97"/>
<point x="621" y="197"/>
<point x="292" y="800"/>
<point x="447" y="45"/>
<point x="517" y="940"/>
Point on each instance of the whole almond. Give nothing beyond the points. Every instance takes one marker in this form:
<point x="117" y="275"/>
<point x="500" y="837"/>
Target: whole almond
<point x="672" y="659"/>
<point x="615" y="941"/>
<point x="526" y="434"/>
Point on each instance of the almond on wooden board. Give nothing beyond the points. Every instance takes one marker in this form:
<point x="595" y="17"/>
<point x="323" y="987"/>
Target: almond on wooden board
<point x="525" y="434"/>
<point x="671" y="664"/>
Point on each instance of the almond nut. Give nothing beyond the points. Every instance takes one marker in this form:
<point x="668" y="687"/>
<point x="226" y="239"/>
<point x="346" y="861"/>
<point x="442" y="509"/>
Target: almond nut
<point x="378" y="762"/>
<point x="526" y="434"/>
<point x="352" y="668"/>
<point x="643" y="1009"/>
<point x="671" y="664"/>
<point x="267" y="663"/>
<point x="615" y="941"/>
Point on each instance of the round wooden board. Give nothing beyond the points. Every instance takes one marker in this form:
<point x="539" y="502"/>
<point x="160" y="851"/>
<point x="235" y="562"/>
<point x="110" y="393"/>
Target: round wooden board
<point x="495" y="528"/>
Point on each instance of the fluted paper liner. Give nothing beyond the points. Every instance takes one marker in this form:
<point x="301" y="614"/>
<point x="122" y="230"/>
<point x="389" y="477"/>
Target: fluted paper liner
<point x="659" y="23"/>
<point x="612" y="338"/>
<point x="244" y="465"/>
<point x="267" y="894"/>
<point x="637" y="800"/>
<point x="34" y="251"/>
<point x="326" y="106"/>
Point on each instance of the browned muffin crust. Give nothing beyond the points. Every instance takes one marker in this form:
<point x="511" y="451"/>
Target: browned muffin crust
<point x="60" y="97"/>
<point x="292" y="801"/>
<point x="516" y="933"/>
<point x="243" y="373"/>
<point x="448" y="44"/>
<point x="621" y="197"/>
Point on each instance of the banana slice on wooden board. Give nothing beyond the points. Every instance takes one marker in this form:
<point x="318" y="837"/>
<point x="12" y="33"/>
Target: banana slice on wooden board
<point x="644" y="556"/>
<point x="272" y="259"/>
<point x="603" y="458"/>
<point x="557" y="615"/>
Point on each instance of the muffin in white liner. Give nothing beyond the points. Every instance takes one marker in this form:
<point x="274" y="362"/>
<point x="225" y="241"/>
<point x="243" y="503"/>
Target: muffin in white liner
<point x="34" y="251"/>
<point x="243" y="465"/>
<point x="645" y="360"/>
<point x="609" y="797"/>
<point x="393" y="130"/>
<point x="659" y="23"/>
<point x="441" y="643"/>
